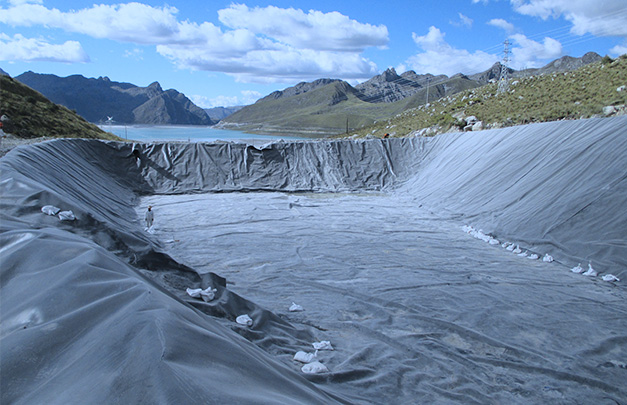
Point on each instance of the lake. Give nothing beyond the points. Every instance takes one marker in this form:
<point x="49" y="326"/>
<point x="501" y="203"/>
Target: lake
<point x="188" y="133"/>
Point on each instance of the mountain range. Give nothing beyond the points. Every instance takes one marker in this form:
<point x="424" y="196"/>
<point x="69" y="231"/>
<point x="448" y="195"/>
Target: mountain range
<point x="218" y="113"/>
<point x="329" y="106"/>
<point x="319" y="108"/>
<point x="102" y="100"/>
<point x="597" y="89"/>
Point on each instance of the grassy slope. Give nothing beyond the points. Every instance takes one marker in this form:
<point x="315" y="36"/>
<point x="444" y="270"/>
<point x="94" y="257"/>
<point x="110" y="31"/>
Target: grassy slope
<point x="579" y="94"/>
<point x="32" y="115"/>
<point x="320" y="111"/>
<point x="326" y="110"/>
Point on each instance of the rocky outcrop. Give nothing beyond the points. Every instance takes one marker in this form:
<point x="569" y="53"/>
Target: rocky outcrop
<point x="300" y="88"/>
<point x="491" y="75"/>
<point x="387" y="87"/>
<point x="98" y="99"/>
<point x="563" y="64"/>
<point x="423" y="80"/>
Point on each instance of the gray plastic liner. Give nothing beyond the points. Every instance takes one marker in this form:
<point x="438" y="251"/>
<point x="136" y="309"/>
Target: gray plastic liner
<point x="366" y="235"/>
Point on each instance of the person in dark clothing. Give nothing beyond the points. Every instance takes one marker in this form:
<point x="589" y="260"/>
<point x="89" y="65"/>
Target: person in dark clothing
<point x="150" y="217"/>
<point x="135" y="154"/>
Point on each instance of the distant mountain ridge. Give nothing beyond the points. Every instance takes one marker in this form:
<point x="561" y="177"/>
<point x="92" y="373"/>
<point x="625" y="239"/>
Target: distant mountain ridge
<point x="304" y="108"/>
<point x="321" y="107"/>
<point x="98" y="99"/>
<point x="219" y="113"/>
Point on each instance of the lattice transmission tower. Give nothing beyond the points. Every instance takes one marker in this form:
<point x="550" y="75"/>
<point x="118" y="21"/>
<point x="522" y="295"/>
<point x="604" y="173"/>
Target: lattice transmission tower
<point x="504" y="78"/>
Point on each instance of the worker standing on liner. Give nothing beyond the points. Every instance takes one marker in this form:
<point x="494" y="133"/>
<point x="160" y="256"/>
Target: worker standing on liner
<point x="150" y="217"/>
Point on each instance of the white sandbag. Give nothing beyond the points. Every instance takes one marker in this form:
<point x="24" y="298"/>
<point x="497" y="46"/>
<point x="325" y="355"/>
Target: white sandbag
<point x="66" y="216"/>
<point x="533" y="256"/>
<point x="577" y="269"/>
<point x="295" y="308"/>
<point x="207" y="294"/>
<point x="50" y="210"/>
<point x="314" y="368"/>
<point x="305" y="357"/>
<point x="244" y="320"/>
<point x="194" y="292"/>
<point x="590" y="272"/>
<point x="322" y="345"/>
<point x="547" y="258"/>
<point x="610" y="278"/>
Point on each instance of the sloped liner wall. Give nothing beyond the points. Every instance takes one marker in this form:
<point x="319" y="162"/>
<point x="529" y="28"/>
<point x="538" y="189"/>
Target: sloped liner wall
<point x="82" y="317"/>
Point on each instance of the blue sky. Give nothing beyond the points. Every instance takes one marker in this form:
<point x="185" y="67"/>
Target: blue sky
<point x="221" y="53"/>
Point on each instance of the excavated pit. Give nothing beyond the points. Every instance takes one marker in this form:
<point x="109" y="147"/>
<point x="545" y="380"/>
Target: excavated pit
<point x="370" y="237"/>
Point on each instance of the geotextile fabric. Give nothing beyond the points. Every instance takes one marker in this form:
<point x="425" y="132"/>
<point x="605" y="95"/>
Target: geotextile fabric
<point x="96" y="310"/>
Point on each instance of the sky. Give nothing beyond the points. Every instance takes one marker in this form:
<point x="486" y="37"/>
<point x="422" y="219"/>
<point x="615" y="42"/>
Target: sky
<point x="224" y="53"/>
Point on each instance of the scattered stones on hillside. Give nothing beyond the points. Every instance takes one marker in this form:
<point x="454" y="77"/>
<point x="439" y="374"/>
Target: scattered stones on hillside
<point x="612" y="110"/>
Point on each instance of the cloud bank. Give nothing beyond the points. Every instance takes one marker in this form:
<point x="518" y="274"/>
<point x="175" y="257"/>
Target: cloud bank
<point x="37" y="49"/>
<point x="437" y="56"/>
<point x="587" y="16"/>
<point x="260" y="44"/>
<point x="246" y="97"/>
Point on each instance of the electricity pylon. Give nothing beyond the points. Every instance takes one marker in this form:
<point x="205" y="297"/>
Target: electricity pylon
<point x="504" y="78"/>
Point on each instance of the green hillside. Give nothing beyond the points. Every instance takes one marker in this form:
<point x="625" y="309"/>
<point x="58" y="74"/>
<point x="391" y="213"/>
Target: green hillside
<point x="321" y="111"/>
<point x="582" y="93"/>
<point x="329" y="109"/>
<point x="31" y="115"/>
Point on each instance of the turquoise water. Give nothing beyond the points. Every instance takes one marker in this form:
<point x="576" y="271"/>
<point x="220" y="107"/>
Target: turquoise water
<point x="151" y="133"/>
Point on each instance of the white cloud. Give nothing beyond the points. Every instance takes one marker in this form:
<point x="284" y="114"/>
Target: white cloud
<point x="272" y="66"/>
<point x="532" y="54"/>
<point x="36" y="49"/>
<point x="312" y="30"/>
<point x="131" y="22"/>
<point x="247" y="97"/>
<point x="599" y="18"/>
<point x="438" y="56"/>
<point x="619" y="50"/>
<point x="18" y="2"/>
<point x="220" y="101"/>
<point x="250" y="97"/>
<point x="259" y="44"/>
<point x="464" y="21"/>
<point x="136" y="54"/>
<point x="501" y="23"/>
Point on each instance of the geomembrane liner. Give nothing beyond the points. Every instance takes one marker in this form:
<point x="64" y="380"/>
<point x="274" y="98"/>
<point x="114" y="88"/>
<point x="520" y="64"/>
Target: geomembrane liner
<point x="367" y="236"/>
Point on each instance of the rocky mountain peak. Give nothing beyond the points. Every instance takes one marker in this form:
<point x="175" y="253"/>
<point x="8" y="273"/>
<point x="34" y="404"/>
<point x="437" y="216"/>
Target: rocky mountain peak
<point x="300" y="88"/>
<point x="389" y="75"/>
<point x="155" y="86"/>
